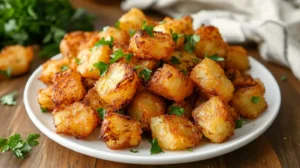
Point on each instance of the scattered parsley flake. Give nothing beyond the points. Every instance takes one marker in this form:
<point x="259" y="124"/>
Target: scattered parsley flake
<point x="134" y="151"/>
<point x="239" y="123"/>
<point x="283" y="78"/>
<point x="255" y="99"/>
<point x="155" y="148"/>
<point x="102" y="42"/>
<point x="119" y="54"/>
<point x="9" y="99"/>
<point x="190" y="42"/>
<point x="176" y="110"/>
<point x="148" y="28"/>
<point x="175" y="60"/>
<point x="131" y="32"/>
<point x="101" y="113"/>
<point x="78" y="61"/>
<point x="6" y="73"/>
<point x="64" y="68"/>
<point x="215" y="57"/>
<point x="102" y="67"/>
<point x="117" y="24"/>
<point x="137" y="67"/>
<point x="145" y="74"/>
<point x="44" y="109"/>
<point x="190" y="149"/>
<point x="184" y="71"/>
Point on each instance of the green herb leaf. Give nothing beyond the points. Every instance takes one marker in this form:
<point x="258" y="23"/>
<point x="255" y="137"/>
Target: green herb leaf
<point x="175" y="60"/>
<point x="175" y="36"/>
<point x="184" y="71"/>
<point x="102" y="67"/>
<point x="190" y="149"/>
<point x="6" y="73"/>
<point x="176" y="110"/>
<point x="190" y="42"/>
<point x="196" y="60"/>
<point x="155" y="148"/>
<point x="145" y="74"/>
<point x="119" y="54"/>
<point x="215" y="57"/>
<point x="102" y="42"/>
<point x="131" y="32"/>
<point x="137" y="67"/>
<point x="283" y="78"/>
<point x="32" y="139"/>
<point x="255" y="99"/>
<point x="101" y="113"/>
<point x="44" y="110"/>
<point x="148" y="28"/>
<point x="239" y="123"/>
<point x="9" y="99"/>
<point x="117" y="25"/>
<point x="64" y="68"/>
<point x="134" y="151"/>
<point x="78" y="61"/>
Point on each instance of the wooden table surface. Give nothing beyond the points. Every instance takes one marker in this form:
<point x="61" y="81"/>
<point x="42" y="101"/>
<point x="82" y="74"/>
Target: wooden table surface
<point x="279" y="146"/>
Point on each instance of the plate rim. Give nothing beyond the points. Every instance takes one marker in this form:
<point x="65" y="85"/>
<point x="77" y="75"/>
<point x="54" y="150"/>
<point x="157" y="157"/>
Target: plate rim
<point x="149" y="160"/>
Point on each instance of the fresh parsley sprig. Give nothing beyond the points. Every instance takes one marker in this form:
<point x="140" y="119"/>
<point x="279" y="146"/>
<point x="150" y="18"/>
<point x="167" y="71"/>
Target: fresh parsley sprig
<point x="155" y="148"/>
<point x="190" y="42"/>
<point x="145" y="73"/>
<point x="176" y="110"/>
<point x="9" y="99"/>
<point x="101" y="112"/>
<point x="103" y="42"/>
<point x="119" y="54"/>
<point x="102" y="67"/>
<point x="148" y="28"/>
<point x="175" y="60"/>
<point x="255" y="99"/>
<point x="215" y="57"/>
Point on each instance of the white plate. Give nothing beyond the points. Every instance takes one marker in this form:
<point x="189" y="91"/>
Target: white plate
<point x="96" y="148"/>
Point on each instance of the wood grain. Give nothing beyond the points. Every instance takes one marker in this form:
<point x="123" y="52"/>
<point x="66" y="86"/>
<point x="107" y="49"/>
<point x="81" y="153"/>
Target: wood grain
<point x="279" y="146"/>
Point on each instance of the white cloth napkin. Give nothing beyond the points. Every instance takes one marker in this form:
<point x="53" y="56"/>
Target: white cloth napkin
<point x="273" y="24"/>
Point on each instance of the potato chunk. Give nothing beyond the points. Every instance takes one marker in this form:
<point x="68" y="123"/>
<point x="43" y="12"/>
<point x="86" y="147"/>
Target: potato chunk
<point x="211" y="79"/>
<point x="45" y="98"/>
<point x="158" y="47"/>
<point x="76" y="119"/>
<point x="171" y="83"/>
<point x="119" y="131"/>
<point x="249" y="101"/>
<point x="68" y="88"/>
<point x="175" y="132"/>
<point x="93" y="100"/>
<point x="87" y="58"/>
<point x="17" y="58"/>
<point x="215" y="120"/>
<point x="51" y="67"/>
<point x="144" y="106"/>
<point x="237" y="58"/>
<point x="72" y="42"/>
<point x="118" y="86"/>
<point x="184" y="61"/>
<point x="211" y="42"/>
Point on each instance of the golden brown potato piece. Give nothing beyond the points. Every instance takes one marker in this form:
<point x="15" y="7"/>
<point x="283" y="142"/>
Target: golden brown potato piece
<point x="215" y="120"/>
<point x="133" y="20"/>
<point x="171" y="83"/>
<point x="17" y="58"/>
<point x="180" y="27"/>
<point x="93" y="100"/>
<point x="158" y="47"/>
<point x="45" y="98"/>
<point x="175" y="132"/>
<point x="211" y="42"/>
<point x="249" y="101"/>
<point x="144" y="106"/>
<point x="68" y="88"/>
<point x="87" y="58"/>
<point x="237" y="58"/>
<point x="234" y="114"/>
<point x="76" y="119"/>
<point x="51" y="67"/>
<point x="72" y="42"/>
<point x="119" y="131"/>
<point x="118" y="86"/>
<point x="184" y="61"/>
<point x="211" y="79"/>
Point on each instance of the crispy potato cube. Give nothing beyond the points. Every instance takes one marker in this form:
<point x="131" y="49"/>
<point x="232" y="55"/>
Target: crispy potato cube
<point x="133" y="20"/>
<point x="50" y="68"/>
<point x="215" y="120"/>
<point x="211" y="79"/>
<point x="72" y="42"/>
<point x="118" y="86"/>
<point x="45" y="98"/>
<point x="68" y="88"/>
<point x="171" y="83"/>
<point x="87" y="58"/>
<point x="119" y="131"/>
<point x="181" y="27"/>
<point x="237" y="58"/>
<point x="93" y="100"/>
<point x="144" y="106"/>
<point x="158" y="47"/>
<point x="243" y="103"/>
<point x="76" y="119"/>
<point x="175" y="132"/>
<point x="17" y="58"/>
<point x="211" y="42"/>
<point x="184" y="61"/>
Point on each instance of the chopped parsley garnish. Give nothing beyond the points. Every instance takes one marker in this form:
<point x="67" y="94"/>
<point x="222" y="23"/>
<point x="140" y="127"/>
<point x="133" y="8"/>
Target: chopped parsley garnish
<point x="148" y="28"/>
<point x="175" y="36"/>
<point x="6" y="73"/>
<point x="155" y="148"/>
<point x="17" y="146"/>
<point x="102" y="42"/>
<point x="78" y="61"/>
<point x="175" y="60"/>
<point x="44" y="110"/>
<point x="239" y="123"/>
<point x="117" y="25"/>
<point x="283" y="78"/>
<point x="131" y="32"/>
<point x="190" y="149"/>
<point x="119" y="54"/>
<point x="176" y="110"/>
<point x="9" y="99"/>
<point x="196" y="60"/>
<point x="102" y="67"/>
<point x="184" y="71"/>
<point x="64" y="68"/>
<point x="134" y="151"/>
<point x="190" y="42"/>
<point x="255" y="99"/>
<point x="215" y="57"/>
<point x="101" y="112"/>
<point x="145" y="74"/>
